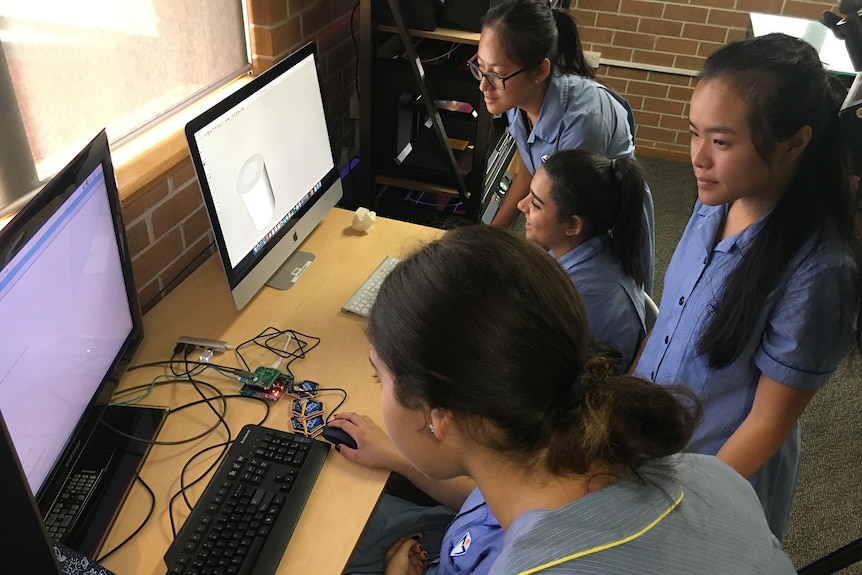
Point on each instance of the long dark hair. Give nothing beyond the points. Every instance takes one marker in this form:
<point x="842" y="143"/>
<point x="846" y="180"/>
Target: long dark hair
<point x="530" y="31"/>
<point x="785" y="86"/>
<point x="487" y="325"/>
<point x="608" y="194"/>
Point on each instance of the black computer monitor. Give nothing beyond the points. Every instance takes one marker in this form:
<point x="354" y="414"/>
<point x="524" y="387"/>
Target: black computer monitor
<point x="29" y="550"/>
<point x="266" y="169"/>
<point x="70" y="323"/>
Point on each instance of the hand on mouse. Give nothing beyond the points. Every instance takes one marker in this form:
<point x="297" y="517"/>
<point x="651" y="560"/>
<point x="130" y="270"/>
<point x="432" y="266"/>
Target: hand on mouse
<point x="405" y="557"/>
<point x="373" y="446"/>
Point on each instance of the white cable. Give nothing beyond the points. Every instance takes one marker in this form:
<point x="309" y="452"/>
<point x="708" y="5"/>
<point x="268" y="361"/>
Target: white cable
<point x="277" y="362"/>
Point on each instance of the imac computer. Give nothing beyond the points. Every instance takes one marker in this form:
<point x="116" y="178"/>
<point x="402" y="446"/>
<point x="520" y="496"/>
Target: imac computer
<point x="71" y="322"/>
<point x="267" y="173"/>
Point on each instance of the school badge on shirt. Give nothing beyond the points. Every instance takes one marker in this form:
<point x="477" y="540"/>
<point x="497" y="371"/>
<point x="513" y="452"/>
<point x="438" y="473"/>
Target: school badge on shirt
<point x="462" y="546"/>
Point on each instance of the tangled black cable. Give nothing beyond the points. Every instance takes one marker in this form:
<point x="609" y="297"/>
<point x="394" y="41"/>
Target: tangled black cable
<point x="224" y="447"/>
<point x="139" y="527"/>
<point x="303" y="343"/>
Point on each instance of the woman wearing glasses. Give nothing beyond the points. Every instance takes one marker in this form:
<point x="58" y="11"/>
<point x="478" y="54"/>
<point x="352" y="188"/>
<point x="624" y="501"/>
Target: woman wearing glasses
<point x="530" y="66"/>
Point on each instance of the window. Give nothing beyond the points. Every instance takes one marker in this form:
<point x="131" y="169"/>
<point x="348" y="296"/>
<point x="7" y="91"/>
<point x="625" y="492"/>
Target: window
<point x="69" y="69"/>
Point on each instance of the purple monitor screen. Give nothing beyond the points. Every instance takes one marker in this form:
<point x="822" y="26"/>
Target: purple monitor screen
<point x="66" y="316"/>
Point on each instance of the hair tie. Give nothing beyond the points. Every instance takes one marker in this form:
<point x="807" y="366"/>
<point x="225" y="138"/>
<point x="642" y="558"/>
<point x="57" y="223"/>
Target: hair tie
<point x="617" y="173"/>
<point x="596" y="371"/>
<point x="581" y="386"/>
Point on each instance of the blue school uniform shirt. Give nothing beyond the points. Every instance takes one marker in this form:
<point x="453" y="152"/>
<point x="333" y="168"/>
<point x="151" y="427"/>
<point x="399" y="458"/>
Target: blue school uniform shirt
<point x="472" y="541"/>
<point x="804" y="331"/>
<point x="577" y="113"/>
<point x="614" y="302"/>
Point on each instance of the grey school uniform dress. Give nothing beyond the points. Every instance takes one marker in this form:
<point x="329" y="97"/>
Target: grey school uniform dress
<point x="696" y="517"/>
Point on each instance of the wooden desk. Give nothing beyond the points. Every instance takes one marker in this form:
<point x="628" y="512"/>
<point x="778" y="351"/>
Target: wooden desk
<point x="201" y="306"/>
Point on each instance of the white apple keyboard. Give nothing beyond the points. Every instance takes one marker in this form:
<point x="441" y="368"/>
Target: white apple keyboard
<point x="364" y="297"/>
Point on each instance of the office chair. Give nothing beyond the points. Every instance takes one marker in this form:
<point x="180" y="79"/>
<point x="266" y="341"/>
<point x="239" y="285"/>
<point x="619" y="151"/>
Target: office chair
<point x="651" y="312"/>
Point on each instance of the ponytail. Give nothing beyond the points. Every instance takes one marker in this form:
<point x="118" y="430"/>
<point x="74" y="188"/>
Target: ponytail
<point x="628" y="233"/>
<point x="570" y="52"/>
<point x="609" y="195"/>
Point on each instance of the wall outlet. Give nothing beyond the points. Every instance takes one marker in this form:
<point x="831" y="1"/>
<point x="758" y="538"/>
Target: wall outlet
<point x="593" y="59"/>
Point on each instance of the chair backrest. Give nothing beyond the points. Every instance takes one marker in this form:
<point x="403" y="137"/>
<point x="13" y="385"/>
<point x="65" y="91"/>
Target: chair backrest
<point x="651" y="312"/>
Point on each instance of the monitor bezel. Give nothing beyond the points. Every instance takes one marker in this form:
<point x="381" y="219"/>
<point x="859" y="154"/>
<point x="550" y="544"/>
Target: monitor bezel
<point x="14" y="236"/>
<point x="250" y="275"/>
<point x="30" y="551"/>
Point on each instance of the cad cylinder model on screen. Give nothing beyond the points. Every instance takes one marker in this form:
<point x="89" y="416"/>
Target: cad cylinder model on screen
<point x="256" y="191"/>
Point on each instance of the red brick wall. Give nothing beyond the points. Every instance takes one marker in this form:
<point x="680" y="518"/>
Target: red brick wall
<point x="168" y="232"/>
<point x="167" y="225"/>
<point x="278" y="27"/>
<point x="675" y="36"/>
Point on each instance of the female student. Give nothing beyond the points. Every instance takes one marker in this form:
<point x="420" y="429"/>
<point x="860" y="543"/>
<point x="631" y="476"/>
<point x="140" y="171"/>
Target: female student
<point x="761" y="297"/>
<point x="531" y="66"/>
<point x="586" y="210"/>
<point x="484" y="373"/>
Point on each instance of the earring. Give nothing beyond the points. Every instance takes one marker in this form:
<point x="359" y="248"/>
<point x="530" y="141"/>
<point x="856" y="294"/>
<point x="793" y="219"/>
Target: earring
<point x="431" y="427"/>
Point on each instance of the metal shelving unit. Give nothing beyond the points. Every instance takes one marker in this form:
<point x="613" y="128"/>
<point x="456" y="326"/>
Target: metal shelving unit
<point x="423" y="125"/>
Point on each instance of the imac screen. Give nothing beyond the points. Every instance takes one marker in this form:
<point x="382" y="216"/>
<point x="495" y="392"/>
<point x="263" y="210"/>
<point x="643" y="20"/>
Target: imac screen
<point x="69" y="312"/>
<point x="265" y="166"/>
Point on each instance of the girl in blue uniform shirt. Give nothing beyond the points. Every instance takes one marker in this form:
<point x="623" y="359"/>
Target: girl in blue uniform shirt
<point x="586" y="210"/>
<point x="761" y="297"/>
<point x="577" y="198"/>
<point x="485" y="372"/>
<point x="531" y="67"/>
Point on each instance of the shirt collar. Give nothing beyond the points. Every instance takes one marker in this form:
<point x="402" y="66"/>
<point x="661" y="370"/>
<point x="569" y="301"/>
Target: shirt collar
<point x="583" y="252"/>
<point x="554" y="106"/>
<point x="711" y="220"/>
<point x="650" y="505"/>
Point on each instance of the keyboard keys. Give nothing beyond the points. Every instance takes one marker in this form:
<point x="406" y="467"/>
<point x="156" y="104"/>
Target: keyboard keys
<point x="67" y="507"/>
<point x="246" y="515"/>
<point x="365" y="296"/>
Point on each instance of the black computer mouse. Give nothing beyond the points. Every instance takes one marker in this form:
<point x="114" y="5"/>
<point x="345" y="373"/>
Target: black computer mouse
<point x="337" y="436"/>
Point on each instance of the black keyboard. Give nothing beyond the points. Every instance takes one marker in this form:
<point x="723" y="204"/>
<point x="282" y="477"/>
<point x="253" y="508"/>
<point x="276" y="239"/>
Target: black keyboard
<point x="74" y="496"/>
<point x="246" y="516"/>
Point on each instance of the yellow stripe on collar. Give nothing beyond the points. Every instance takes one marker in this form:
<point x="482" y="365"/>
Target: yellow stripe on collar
<point x="616" y="543"/>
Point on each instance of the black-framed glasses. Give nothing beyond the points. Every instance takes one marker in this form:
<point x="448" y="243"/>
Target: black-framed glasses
<point x="497" y="81"/>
